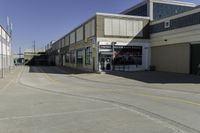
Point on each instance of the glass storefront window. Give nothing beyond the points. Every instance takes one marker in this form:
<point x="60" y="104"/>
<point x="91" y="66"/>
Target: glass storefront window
<point x="128" y="55"/>
<point x="67" y="56"/>
<point x="80" y="57"/>
<point x="72" y="57"/>
<point x="87" y="56"/>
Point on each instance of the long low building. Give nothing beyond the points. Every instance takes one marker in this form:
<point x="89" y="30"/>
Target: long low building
<point x="105" y="42"/>
<point x="159" y="33"/>
<point x="5" y="50"/>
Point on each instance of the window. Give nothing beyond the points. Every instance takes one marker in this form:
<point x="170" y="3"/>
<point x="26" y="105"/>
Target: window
<point x="72" y="57"/>
<point x="88" y="55"/>
<point x="79" y="57"/>
<point x="67" y="56"/>
<point x="128" y="55"/>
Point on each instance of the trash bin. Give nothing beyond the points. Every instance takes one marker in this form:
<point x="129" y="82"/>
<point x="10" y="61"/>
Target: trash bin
<point x="152" y="68"/>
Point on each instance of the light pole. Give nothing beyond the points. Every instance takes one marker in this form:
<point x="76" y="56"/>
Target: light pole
<point x="2" y="73"/>
<point x="34" y="47"/>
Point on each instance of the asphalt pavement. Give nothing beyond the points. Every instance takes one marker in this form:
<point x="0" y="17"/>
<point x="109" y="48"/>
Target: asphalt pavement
<point x="64" y="100"/>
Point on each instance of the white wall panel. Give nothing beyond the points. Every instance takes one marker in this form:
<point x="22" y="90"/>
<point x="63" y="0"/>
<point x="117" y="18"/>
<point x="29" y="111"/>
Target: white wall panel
<point x="135" y="28"/>
<point x="66" y="40"/>
<point x="108" y="26"/>
<point x="129" y="28"/>
<point x="140" y="28"/>
<point x="116" y="27"/>
<point x="93" y="27"/>
<point x="79" y="34"/>
<point x="72" y="38"/>
<point x="123" y="27"/>
<point x="90" y="29"/>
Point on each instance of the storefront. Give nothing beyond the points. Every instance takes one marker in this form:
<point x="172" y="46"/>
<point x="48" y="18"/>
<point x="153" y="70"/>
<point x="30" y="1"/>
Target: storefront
<point x="123" y="57"/>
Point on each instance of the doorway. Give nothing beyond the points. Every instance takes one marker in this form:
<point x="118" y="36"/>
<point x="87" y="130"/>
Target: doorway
<point x="106" y="62"/>
<point x="195" y="59"/>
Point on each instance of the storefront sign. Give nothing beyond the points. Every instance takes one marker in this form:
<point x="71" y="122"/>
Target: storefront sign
<point x="127" y="47"/>
<point x="105" y="46"/>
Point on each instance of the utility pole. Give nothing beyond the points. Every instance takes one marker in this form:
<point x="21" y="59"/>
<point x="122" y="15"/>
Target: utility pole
<point x="2" y="71"/>
<point x="20" y="53"/>
<point x="34" y="46"/>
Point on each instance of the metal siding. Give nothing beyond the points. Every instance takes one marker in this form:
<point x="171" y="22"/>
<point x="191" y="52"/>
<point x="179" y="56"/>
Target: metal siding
<point x="171" y="58"/>
<point x="108" y="26"/>
<point x="129" y="28"/>
<point x="116" y="27"/>
<point x="123" y="28"/>
<point x="79" y="34"/>
<point x="177" y="23"/>
<point x="72" y="38"/>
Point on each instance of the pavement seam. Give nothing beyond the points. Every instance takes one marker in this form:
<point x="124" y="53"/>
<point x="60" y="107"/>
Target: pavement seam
<point x="56" y="114"/>
<point x="147" y="114"/>
<point x="158" y="119"/>
<point x="157" y="97"/>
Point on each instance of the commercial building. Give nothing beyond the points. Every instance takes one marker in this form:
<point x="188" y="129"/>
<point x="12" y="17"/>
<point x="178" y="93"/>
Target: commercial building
<point x="105" y="42"/>
<point x="34" y="56"/>
<point x="5" y="51"/>
<point x="175" y="43"/>
<point x="162" y="33"/>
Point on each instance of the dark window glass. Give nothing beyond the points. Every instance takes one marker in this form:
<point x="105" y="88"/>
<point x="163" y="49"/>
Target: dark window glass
<point x="88" y="56"/>
<point x="128" y="55"/>
<point x="79" y="57"/>
<point x="67" y="56"/>
<point x="140" y="11"/>
<point x="161" y="10"/>
<point x="72" y="57"/>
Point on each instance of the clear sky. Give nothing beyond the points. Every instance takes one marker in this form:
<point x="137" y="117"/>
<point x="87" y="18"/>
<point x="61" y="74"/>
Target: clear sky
<point x="46" y="20"/>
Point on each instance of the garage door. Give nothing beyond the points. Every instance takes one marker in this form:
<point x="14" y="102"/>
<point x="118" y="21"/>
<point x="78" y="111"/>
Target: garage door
<point x="171" y="58"/>
<point x="195" y="58"/>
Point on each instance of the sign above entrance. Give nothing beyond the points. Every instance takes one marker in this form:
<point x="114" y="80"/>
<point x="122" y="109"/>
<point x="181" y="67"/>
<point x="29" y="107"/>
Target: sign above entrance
<point x="105" y="46"/>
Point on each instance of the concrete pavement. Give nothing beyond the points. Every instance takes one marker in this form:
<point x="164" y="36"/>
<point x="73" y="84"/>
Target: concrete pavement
<point x="47" y="100"/>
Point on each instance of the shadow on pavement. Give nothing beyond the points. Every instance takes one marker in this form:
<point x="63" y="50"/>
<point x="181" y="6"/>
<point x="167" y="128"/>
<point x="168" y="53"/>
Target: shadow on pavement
<point x="143" y="76"/>
<point x="158" y="77"/>
<point x="55" y="70"/>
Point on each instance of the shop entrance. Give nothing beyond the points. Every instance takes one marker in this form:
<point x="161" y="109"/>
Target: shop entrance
<point x="106" y="62"/>
<point x="195" y="60"/>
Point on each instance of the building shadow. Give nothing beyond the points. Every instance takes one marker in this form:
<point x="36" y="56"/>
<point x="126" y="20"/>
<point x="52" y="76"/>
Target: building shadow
<point x="158" y="77"/>
<point x="56" y="70"/>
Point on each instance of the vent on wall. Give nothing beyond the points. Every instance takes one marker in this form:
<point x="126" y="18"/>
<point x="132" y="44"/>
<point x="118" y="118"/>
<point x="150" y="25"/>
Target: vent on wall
<point x="167" y="24"/>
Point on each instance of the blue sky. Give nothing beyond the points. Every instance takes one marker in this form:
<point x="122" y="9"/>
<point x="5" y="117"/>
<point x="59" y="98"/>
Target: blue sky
<point x="46" y="20"/>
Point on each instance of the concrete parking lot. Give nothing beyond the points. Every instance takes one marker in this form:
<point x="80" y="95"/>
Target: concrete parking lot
<point x="64" y="100"/>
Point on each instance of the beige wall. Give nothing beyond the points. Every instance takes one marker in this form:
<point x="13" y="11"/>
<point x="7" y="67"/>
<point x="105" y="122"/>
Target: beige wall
<point x="171" y="58"/>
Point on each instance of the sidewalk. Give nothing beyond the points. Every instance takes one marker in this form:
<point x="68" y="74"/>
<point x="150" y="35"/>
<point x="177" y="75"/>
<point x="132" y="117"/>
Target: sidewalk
<point x="9" y="76"/>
